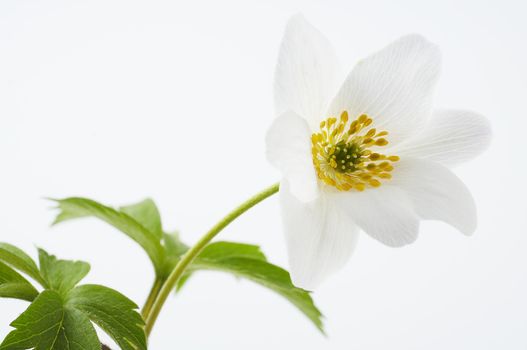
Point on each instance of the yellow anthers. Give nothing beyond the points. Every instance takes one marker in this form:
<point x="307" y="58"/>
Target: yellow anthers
<point x="371" y="132"/>
<point x="368" y="141"/>
<point x="342" y="156"/>
<point x="384" y="165"/>
<point x="344" y="117"/>
<point x="374" y="183"/>
<point x="381" y="142"/>
<point x="375" y="156"/>
<point x="360" y="186"/>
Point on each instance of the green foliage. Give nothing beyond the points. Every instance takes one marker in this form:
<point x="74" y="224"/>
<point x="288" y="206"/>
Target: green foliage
<point x="73" y="208"/>
<point x="61" y="316"/>
<point x="221" y="251"/>
<point x="174" y="249"/>
<point x="48" y="325"/>
<point x="142" y="223"/>
<point x="19" y="260"/>
<point x="147" y="214"/>
<point x="111" y="311"/>
<point x="61" y="275"/>
<point x="13" y="285"/>
<point x="247" y="261"/>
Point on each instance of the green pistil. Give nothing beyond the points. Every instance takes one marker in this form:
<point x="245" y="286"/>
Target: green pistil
<point x="347" y="156"/>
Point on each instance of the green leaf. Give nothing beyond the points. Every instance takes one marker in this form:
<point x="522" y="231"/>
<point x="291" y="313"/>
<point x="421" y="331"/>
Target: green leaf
<point x="48" y="325"/>
<point x="111" y="311"/>
<point x="174" y="249"/>
<point x="147" y="214"/>
<point x="61" y="275"/>
<point x="224" y="250"/>
<point x="72" y="208"/>
<point x="183" y="280"/>
<point x="61" y="316"/>
<point x="13" y="285"/>
<point x="77" y="332"/>
<point x="16" y="258"/>
<point x="247" y="261"/>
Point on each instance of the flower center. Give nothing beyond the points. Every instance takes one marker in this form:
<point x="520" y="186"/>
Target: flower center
<point x="344" y="154"/>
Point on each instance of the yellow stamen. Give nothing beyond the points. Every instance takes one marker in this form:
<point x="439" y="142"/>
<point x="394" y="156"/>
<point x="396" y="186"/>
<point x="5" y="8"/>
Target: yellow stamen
<point x="342" y="157"/>
<point x="381" y="142"/>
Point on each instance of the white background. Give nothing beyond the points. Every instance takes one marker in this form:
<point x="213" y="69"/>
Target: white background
<point x="121" y="100"/>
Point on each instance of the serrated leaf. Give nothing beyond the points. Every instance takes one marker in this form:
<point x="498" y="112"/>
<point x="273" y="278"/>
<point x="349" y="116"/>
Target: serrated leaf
<point x="270" y="276"/>
<point x="19" y="260"/>
<point x="47" y="325"/>
<point x="223" y="250"/>
<point x="215" y="250"/>
<point x="247" y="261"/>
<point x="147" y="214"/>
<point x="60" y="318"/>
<point x="111" y="311"/>
<point x="61" y="275"/>
<point x="13" y="285"/>
<point x="72" y="208"/>
<point x="77" y="332"/>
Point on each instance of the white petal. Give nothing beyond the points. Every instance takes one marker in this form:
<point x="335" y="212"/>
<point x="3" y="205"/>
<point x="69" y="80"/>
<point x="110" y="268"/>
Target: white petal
<point x="393" y="86"/>
<point x="451" y="137"/>
<point x="320" y="238"/>
<point x="437" y="194"/>
<point x="307" y="71"/>
<point x="289" y="150"/>
<point x="385" y="213"/>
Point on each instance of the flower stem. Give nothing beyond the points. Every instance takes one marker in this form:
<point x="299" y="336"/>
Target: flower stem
<point x="193" y="252"/>
<point x="154" y="292"/>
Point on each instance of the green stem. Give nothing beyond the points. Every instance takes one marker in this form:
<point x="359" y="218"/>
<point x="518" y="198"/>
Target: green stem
<point x="193" y="252"/>
<point x="154" y="292"/>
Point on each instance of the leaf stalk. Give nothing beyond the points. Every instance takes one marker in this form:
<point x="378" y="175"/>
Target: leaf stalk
<point x="193" y="252"/>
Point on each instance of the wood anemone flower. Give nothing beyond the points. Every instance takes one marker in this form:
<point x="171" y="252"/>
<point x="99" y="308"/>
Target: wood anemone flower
<point x="366" y="154"/>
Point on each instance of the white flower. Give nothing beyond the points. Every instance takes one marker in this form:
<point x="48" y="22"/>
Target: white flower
<point x="371" y="155"/>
